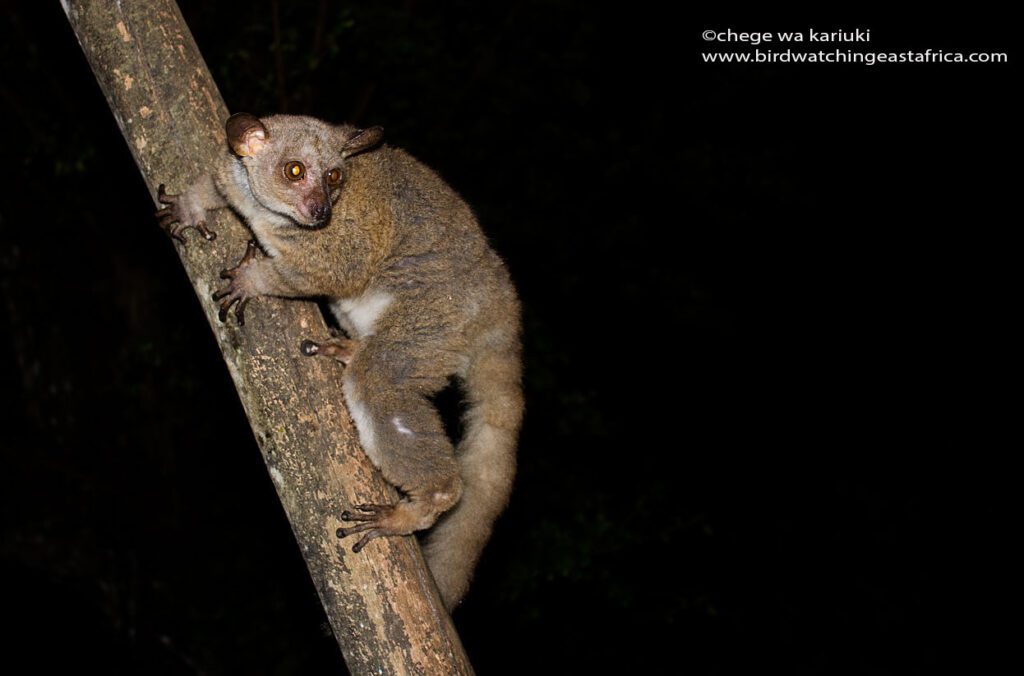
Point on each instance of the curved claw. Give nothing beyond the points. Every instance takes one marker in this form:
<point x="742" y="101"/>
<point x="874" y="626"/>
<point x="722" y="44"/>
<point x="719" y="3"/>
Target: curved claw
<point x="208" y="235"/>
<point x="176" y="234"/>
<point x="250" y="253"/>
<point x="222" y="315"/>
<point x="240" y="310"/>
<point x="251" y="249"/>
<point x="373" y="532"/>
<point x="163" y="197"/>
<point x="370" y="512"/>
<point x="372" y="535"/>
<point x="231" y="297"/>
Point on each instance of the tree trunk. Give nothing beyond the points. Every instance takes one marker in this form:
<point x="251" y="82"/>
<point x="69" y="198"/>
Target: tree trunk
<point x="381" y="603"/>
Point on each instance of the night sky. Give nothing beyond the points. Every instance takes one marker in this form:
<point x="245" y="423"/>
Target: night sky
<point x="768" y="319"/>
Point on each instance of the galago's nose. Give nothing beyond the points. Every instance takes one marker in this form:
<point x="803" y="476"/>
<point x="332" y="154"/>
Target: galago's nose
<point x="321" y="211"/>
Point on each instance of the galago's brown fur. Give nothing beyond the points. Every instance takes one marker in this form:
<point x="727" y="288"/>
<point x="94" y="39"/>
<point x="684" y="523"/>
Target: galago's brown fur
<point x="411" y="278"/>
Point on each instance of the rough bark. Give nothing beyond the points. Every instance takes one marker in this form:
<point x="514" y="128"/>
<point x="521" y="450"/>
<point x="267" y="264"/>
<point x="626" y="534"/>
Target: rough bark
<point x="381" y="603"/>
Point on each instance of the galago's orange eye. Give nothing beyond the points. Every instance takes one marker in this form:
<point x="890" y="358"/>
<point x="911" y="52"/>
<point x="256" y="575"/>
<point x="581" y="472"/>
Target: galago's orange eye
<point x="294" y="171"/>
<point x="334" y="176"/>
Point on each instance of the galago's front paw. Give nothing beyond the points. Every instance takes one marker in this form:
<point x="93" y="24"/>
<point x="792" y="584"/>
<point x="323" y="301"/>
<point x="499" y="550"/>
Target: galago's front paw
<point x="180" y="215"/>
<point x="240" y="289"/>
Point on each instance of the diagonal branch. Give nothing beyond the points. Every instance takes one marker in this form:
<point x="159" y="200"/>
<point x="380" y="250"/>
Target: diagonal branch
<point x="381" y="602"/>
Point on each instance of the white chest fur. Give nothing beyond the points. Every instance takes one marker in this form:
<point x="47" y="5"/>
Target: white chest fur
<point x="359" y="315"/>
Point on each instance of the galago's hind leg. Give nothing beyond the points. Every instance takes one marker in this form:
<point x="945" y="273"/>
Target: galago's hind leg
<point x="387" y="393"/>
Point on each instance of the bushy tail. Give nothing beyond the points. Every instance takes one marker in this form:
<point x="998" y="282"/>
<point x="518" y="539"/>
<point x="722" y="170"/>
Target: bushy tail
<point x="487" y="454"/>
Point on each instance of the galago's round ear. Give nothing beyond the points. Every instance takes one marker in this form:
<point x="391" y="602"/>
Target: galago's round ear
<point x="246" y="134"/>
<point x="362" y="139"/>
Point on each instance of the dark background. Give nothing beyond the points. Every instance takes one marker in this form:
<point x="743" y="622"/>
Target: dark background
<point x="768" y="313"/>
